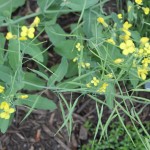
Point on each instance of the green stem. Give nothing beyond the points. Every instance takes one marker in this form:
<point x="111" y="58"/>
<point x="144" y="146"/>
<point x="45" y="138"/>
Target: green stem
<point x="20" y="19"/>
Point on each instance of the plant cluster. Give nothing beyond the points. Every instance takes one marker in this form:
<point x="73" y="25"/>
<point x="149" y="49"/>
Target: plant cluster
<point x="103" y="54"/>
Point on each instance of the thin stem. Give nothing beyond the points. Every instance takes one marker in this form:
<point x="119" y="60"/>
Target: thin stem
<point x="33" y="15"/>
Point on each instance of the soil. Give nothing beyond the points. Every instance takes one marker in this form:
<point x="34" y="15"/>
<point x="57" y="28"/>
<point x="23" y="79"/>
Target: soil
<point x="38" y="131"/>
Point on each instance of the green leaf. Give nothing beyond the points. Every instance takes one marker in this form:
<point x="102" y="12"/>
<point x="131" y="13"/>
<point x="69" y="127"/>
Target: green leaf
<point x="36" y="101"/>
<point x="55" y="33"/>
<point x="66" y="49"/>
<point x="43" y="4"/>
<point x="2" y="43"/>
<point x="39" y="74"/>
<point x="72" y="69"/>
<point x="89" y="17"/>
<point x="14" y="54"/>
<point x="78" y="5"/>
<point x="32" y="82"/>
<point x="136" y="36"/>
<point x="5" y="74"/>
<point x="133" y="77"/>
<point x="110" y="95"/>
<point x="68" y="84"/>
<point x="59" y="73"/>
<point x="4" y="123"/>
<point x="7" y="7"/>
<point x="33" y="50"/>
<point x="131" y="14"/>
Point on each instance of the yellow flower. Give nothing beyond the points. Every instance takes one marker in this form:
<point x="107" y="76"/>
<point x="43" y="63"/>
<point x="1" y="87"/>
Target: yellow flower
<point x="25" y="96"/>
<point x="111" y="41"/>
<point x="127" y="25"/>
<point x="27" y="32"/>
<point x="6" y="110"/>
<point x="4" y="105"/>
<point x="129" y="8"/>
<point x="85" y="65"/>
<point x="146" y="10"/>
<point x="102" y="21"/>
<point x="88" y="85"/>
<point x="35" y="22"/>
<point x="6" y="114"/>
<point x="9" y="36"/>
<point x="139" y="2"/>
<point x="125" y="37"/>
<point x="103" y="88"/>
<point x="95" y="81"/>
<point x="127" y="47"/>
<point x="75" y="59"/>
<point x="2" y="89"/>
<point x="144" y="40"/>
<point x="142" y="73"/>
<point x="110" y="75"/>
<point x="119" y="16"/>
<point x="145" y="62"/>
<point x="146" y="49"/>
<point x="79" y="46"/>
<point x="22" y="38"/>
<point x="118" y="60"/>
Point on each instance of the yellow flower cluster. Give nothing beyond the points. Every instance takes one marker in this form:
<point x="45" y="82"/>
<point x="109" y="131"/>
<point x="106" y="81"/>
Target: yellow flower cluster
<point x="6" y="110"/>
<point x="26" y="32"/>
<point x="2" y="89"/>
<point x="127" y="47"/>
<point x="95" y="82"/>
<point x="144" y="53"/>
<point x="79" y="46"/>
<point x="103" y="88"/>
<point x="118" y="60"/>
<point x="111" y="41"/>
<point x="125" y="29"/>
<point x="142" y="73"/>
<point x="85" y="65"/>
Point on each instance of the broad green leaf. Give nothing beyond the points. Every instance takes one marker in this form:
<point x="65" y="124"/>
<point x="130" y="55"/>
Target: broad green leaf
<point x="32" y="82"/>
<point x="116" y="20"/>
<point x="7" y="7"/>
<point x="40" y="74"/>
<point x="5" y="74"/>
<point x="88" y="27"/>
<point x="110" y="95"/>
<point x="14" y="54"/>
<point x="66" y="49"/>
<point x="59" y="73"/>
<point x="2" y="42"/>
<point x="44" y="4"/>
<point x="131" y="14"/>
<point x="33" y="50"/>
<point x="4" y="123"/>
<point x="133" y="77"/>
<point x="68" y="84"/>
<point x="55" y="33"/>
<point x="38" y="102"/>
<point x="78" y="5"/>
<point x="136" y="36"/>
<point x="72" y="69"/>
